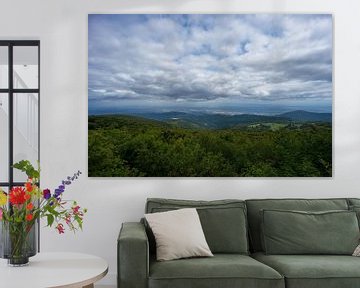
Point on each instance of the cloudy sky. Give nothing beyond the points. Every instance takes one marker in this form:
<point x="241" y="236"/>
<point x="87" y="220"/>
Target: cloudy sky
<point x="214" y="62"/>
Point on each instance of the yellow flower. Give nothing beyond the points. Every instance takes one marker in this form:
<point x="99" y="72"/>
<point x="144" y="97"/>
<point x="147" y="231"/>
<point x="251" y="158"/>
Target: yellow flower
<point x="3" y="198"/>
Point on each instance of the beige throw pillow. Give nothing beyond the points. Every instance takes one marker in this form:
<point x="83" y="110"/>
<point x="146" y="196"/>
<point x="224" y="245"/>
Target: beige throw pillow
<point x="178" y="234"/>
<point x="357" y="251"/>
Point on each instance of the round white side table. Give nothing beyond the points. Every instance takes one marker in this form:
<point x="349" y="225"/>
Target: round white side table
<point x="50" y="270"/>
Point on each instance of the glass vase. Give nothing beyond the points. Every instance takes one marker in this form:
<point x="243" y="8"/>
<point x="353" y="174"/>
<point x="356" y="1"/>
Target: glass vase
<point x="18" y="242"/>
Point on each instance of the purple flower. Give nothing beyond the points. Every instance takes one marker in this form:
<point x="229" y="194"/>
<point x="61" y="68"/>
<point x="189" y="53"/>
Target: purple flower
<point x="68" y="181"/>
<point x="46" y="194"/>
<point x="58" y="192"/>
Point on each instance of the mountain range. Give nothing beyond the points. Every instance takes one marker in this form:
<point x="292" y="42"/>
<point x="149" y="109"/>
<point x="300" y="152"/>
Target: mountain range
<point x="223" y="121"/>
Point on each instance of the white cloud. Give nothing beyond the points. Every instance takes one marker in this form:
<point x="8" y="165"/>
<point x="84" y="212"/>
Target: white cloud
<point x="201" y="57"/>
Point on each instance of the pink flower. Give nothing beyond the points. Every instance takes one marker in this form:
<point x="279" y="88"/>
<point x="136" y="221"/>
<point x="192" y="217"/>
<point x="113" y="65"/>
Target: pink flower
<point x="60" y="228"/>
<point x="75" y="209"/>
<point x="68" y="219"/>
<point x="1" y="213"/>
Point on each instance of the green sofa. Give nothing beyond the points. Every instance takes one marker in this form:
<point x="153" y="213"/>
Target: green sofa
<point x="233" y="230"/>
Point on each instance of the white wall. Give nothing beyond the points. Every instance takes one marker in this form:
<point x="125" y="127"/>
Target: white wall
<point x="61" y="25"/>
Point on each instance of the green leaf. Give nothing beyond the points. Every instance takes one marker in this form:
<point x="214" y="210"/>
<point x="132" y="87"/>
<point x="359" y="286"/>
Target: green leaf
<point x="51" y="210"/>
<point x="26" y="167"/>
<point x="50" y="219"/>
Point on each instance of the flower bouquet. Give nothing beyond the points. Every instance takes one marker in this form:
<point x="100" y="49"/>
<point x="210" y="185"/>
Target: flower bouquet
<point x="21" y="208"/>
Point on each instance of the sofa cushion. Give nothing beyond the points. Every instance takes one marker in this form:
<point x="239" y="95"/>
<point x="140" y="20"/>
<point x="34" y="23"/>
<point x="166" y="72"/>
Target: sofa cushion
<point x="223" y="221"/>
<point x="297" y="232"/>
<point x="354" y="205"/>
<point x="353" y="201"/>
<point x="314" y="271"/>
<point x="254" y="207"/>
<point x="178" y="234"/>
<point x="356" y="209"/>
<point x="222" y="270"/>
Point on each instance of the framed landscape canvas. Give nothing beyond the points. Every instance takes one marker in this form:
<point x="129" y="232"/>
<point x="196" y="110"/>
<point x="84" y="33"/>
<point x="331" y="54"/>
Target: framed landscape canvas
<point x="210" y="95"/>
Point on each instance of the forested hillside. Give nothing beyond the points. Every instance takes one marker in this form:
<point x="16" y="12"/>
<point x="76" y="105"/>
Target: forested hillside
<point x="133" y="146"/>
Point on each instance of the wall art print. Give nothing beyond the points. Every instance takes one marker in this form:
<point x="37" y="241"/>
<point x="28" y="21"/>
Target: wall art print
<point x="204" y="95"/>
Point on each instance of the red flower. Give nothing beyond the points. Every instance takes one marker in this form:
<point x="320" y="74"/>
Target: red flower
<point x="29" y="186"/>
<point x="60" y="228"/>
<point x="29" y="217"/>
<point x="27" y="196"/>
<point x="17" y="196"/>
<point x="29" y="206"/>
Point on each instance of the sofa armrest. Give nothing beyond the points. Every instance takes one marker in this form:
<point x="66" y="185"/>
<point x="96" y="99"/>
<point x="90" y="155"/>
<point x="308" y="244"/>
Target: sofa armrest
<point x="133" y="256"/>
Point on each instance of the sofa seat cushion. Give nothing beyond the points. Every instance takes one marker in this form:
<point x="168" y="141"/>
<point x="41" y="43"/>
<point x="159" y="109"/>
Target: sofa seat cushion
<point x="314" y="271"/>
<point x="222" y="270"/>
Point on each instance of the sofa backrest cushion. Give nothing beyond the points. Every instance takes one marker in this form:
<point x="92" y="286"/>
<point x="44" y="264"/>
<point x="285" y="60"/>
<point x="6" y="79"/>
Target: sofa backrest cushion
<point x="223" y="221"/>
<point x="298" y="232"/>
<point x="256" y="205"/>
<point x="353" y="202"/>
<point x="354" y="205"/>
